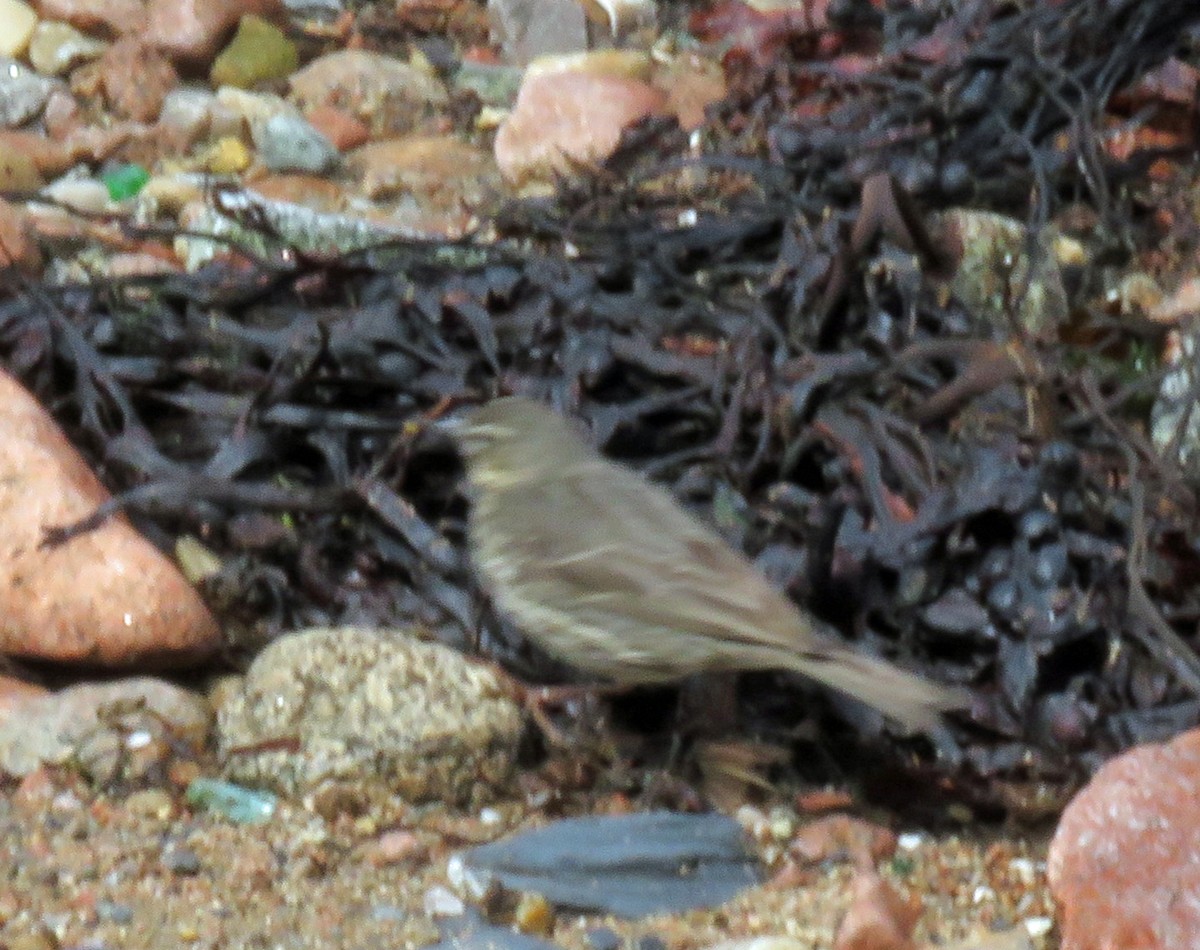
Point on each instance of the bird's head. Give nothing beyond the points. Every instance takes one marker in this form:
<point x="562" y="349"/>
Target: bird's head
<point x="507" y="440"/>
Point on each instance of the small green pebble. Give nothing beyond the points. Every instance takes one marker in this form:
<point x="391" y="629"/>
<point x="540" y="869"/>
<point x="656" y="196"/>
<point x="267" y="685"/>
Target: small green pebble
<point x="259" y="51"/>
<point x="244" y="806"/>
<point x="125" y="181"/>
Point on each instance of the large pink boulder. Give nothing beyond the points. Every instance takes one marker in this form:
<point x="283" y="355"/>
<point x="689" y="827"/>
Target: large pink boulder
<point x="1123" y="864"/>
<point x="106" y="597"/>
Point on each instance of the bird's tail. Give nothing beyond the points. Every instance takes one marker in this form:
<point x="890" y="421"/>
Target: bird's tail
<point x="912" y="701"/>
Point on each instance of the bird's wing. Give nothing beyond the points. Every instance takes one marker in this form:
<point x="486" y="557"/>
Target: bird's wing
<point x="654" y="564"/>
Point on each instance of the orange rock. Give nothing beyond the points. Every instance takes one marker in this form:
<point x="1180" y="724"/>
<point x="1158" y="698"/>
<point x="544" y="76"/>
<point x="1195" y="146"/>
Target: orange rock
<point x="107" y="596"/>
<point x="90" y="144"/>
<point x="344" y="130"/>
<point x="842" y="836"/>
<point x="878" y="918"/>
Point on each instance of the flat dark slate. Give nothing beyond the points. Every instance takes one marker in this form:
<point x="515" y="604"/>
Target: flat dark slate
<point x="628" y="865"/>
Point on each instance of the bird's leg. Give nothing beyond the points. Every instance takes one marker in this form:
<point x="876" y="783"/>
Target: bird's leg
<point x="536" y="700"/>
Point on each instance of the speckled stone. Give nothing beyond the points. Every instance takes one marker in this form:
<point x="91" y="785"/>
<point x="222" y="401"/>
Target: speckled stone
<point x="360" y="706"/>
<point x="1123" y="865"/>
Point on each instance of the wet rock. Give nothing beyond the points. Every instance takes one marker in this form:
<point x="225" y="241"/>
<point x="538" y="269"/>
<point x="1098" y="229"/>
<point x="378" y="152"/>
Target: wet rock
<point x="318" y="8"/>
<point x="628" y="865"/>
<point x="566" y="116"/>
<point x="17" y="22"/>
<point x="23" y="93"/>
<point x="101" y="727"/>
<point x="56" y="48"/>
<point x="391" y="97"/>
<point x="54" y="156"/>
<point x="259" y="51"/>
<point x="364" y="708"/>
<point x="287" y="143"/>
<point x="107" y="596"/>
<point x="1125" y="851"/>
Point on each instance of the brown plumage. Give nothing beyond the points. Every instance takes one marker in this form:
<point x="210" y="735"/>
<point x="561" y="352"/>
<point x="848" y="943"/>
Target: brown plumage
<point x="608" y="573"/>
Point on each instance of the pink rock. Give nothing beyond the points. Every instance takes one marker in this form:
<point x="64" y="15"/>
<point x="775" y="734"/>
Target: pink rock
<point x="193" y="31"/>
<point x="108" y="596"/>
<point x="1123" y="865"/>
<point x="563" y="119"/>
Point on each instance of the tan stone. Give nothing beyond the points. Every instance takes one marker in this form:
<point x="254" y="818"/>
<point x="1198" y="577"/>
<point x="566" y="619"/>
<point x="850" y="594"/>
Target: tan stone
<point x="107" y="596"/>
<point x="436" y="169"/>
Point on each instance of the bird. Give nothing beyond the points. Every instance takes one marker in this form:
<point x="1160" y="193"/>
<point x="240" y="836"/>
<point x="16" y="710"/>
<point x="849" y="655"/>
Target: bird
<point x="608" y="573"/>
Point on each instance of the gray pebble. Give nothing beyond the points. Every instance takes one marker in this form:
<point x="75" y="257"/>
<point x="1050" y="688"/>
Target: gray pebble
<point x="286" y="142"/>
